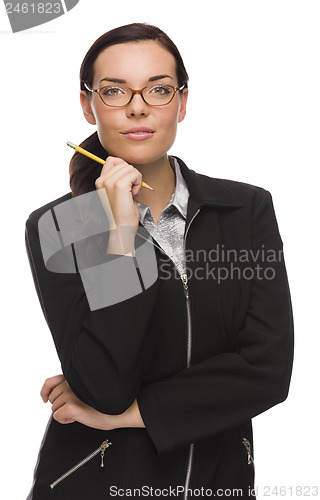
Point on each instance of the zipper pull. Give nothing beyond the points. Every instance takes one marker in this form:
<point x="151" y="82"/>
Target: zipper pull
<point x="103" y="448"/>
<point x="247" y="445"/>
<point x="102" y="455"/>
<point x="184" y="279"/>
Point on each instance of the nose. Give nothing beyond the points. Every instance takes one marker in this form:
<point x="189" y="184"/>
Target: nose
<point x="137" y="106"/>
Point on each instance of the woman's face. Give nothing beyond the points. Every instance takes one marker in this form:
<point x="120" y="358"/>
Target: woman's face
<point x="136" y="64"/>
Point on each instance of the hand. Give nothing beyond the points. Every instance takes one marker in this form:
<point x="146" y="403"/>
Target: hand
<point x="121" y="183"/>
<point x="118" y="183"/>
<point x="67" y="408"/>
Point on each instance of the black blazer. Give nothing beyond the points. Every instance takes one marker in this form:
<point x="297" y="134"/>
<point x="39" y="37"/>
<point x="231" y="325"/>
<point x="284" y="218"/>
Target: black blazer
<point x="202" y="358"/>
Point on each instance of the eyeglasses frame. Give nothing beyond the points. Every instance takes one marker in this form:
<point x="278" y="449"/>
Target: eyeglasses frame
<point x="134" y="92"/>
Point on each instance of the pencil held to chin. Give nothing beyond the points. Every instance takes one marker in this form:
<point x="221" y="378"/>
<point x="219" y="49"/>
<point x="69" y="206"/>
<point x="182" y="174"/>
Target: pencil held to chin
<point x="98" y="160"/>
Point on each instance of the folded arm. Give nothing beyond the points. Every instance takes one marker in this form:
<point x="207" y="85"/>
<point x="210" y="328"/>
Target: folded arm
<point x="230" y="388"/>
<point x="102" y="351"/>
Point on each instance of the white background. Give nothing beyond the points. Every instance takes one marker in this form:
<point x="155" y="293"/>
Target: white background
<point x="253" y="116"/>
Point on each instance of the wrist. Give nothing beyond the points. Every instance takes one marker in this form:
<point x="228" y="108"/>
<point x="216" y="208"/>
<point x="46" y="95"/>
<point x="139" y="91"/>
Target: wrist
<point x="129" y="418"/>
<point x="109" y="422"/>
<point x="121" y="241"/>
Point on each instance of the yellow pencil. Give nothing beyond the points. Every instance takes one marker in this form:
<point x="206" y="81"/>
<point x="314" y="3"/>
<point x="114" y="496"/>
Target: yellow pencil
<point x="97" y="159"/>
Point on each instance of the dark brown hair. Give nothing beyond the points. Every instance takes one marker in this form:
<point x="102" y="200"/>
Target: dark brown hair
<point x="83" y="171"/>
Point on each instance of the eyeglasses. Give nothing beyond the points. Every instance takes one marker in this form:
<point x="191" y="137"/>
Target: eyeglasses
<point x="153" y="95"/>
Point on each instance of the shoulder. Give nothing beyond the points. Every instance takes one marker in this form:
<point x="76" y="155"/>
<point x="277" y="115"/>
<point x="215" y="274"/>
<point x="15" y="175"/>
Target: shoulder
<point x="238" y="187"/>
<point x="36" y="214"/>
<point x="250" y="198"/>
<point x="222" y="192"/>
<point x="242" y="190"/>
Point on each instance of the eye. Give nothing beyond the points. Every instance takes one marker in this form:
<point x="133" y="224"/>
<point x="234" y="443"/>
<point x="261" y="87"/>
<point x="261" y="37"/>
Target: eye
<point x="161" y="90"/>
<point x="112" y="91"/>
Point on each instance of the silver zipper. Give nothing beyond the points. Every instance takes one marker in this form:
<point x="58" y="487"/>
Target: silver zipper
<point x="247" y="446"/>
<point x="102" y="448"/>
<point x="184" y="279"/>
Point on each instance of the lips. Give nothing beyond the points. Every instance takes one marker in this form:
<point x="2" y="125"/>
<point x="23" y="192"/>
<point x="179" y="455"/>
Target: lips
<point x="138" y="133"/>
<point x="138" y="130"/>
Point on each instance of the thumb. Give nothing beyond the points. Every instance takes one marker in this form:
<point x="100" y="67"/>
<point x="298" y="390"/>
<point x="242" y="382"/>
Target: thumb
<point x="61" y="416"/>
<point x="136" y="188"/>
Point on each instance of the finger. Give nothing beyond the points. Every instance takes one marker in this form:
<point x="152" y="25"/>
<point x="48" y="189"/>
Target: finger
<point x="111" y="174"/>
<point x="125" y="178"/>
<point x="112" y="164"/>
<point x="136" y="186"/>
<point x="61" y="395"/>
<point x="58" y="390"/>
<point x="49" y="385"/>
<point x="63" y="415"/>
<point x="58" y="403"/>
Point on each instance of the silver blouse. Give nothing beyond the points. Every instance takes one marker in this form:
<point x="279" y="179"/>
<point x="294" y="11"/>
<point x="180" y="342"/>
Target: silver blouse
<point x="169" y="231"/>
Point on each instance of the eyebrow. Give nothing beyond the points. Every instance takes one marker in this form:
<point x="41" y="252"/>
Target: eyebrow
<point x="151" y="79"/>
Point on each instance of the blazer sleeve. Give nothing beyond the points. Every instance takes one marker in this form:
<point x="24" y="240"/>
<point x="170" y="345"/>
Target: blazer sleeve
<point x="102" y="351"/>
<point x="230" y="388"/>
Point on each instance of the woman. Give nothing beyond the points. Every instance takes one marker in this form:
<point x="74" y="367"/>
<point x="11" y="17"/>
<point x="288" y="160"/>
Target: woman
<point x="169" y="309"/>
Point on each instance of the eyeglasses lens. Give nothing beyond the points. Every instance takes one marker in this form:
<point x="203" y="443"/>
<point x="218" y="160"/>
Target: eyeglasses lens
<point x="155" y="95"/>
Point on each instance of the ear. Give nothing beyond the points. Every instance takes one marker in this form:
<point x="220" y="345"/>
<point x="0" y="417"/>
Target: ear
<point x="87" y="108"/>
<point x="183" y="105"/>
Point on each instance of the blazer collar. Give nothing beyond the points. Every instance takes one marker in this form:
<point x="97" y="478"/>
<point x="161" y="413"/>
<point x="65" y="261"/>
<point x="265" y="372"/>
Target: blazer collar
<point x="205" y="190"/>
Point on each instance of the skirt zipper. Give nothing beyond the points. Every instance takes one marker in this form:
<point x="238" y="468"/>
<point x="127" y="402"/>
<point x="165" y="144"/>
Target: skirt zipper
<point x="184" y="279"/>
<point x="102" y="448"/>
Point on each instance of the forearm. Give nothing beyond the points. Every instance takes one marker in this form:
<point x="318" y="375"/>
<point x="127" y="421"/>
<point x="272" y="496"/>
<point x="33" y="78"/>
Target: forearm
<point x="130" y="418"/>
<point x="82" y="334"/>
<point x="67" y="408"/>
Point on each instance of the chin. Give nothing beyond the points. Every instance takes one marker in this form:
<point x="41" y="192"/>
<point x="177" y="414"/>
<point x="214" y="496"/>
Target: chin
<point x="139" y="152"/>
<point x="139" y="157"/>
